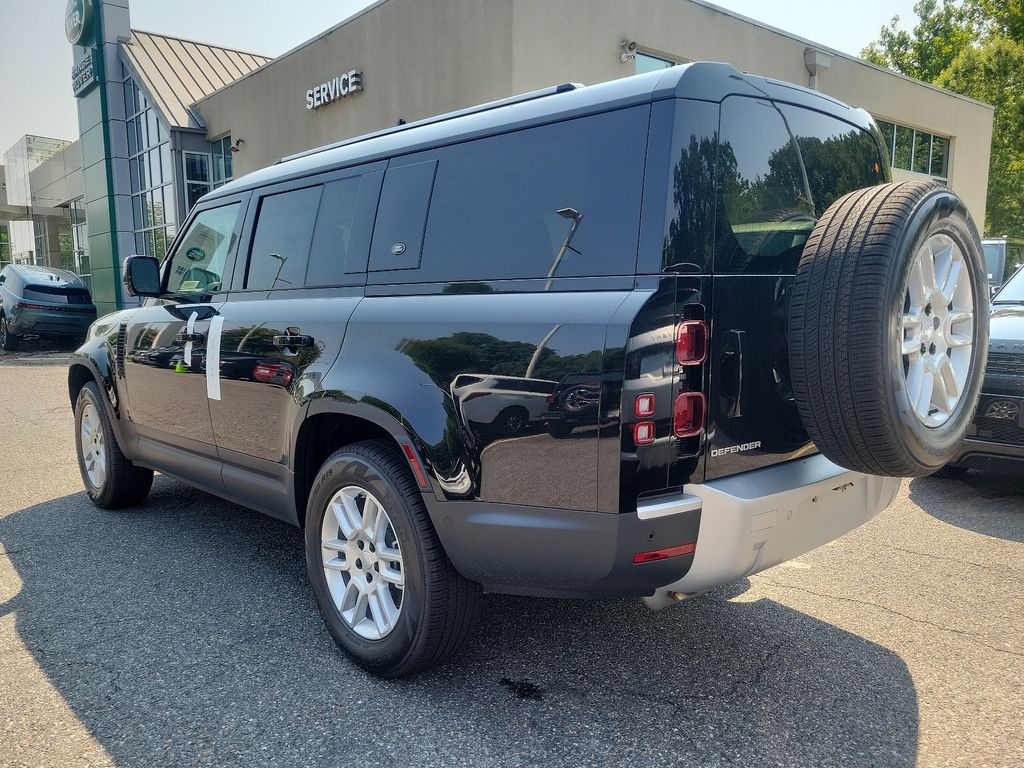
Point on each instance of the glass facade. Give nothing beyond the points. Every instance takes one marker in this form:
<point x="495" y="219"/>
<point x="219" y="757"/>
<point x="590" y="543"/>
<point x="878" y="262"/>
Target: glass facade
<point x="80" y="241"/>
<point x="914" y="150"/>
<point x="154" y="209"/>
<point x="206" y="171"/>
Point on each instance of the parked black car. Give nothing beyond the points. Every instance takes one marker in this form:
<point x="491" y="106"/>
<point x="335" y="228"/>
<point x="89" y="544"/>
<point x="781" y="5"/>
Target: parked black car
<point x="995" y="441"/>
<point x="40" y="301"/>
<point x="686" y="264"/>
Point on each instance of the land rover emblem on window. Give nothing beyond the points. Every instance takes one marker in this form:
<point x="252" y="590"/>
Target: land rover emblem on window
<point x="195" y="254"/>
<point x="398" y="249"/>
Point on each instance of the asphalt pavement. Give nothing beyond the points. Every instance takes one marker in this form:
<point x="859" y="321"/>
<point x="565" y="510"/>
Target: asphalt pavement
<point x="184" y="633"/>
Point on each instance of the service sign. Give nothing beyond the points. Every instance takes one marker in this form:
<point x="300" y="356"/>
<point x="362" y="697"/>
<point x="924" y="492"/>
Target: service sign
<point x="77" y="18"/>
<point x="336" y="88"/>
<point x="83" y="74"/>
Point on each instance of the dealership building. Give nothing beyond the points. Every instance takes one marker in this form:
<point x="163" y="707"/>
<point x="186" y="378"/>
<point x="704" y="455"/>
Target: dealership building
<point x="164" y="120"/>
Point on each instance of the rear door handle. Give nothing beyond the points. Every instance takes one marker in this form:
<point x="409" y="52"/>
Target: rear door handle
<point x="293" y="341"/>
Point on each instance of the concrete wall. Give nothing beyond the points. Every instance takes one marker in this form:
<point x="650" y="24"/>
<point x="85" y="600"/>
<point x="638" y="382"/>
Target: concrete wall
<point x="419" y="58"/>
<point x="424" y="57"/>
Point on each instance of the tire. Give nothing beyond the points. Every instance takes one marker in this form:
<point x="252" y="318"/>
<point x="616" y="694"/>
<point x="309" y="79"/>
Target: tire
<point x="866" y="389"/>
<point x="121" y="483"/>
<point x="510" y="422"/>
<point x="436" y="607"/>
<point x="8" y="340"/>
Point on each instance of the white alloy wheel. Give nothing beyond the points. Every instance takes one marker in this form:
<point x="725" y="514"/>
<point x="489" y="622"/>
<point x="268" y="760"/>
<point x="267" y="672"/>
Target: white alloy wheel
<point x="94" y="452"/>
<point x="938" y="330"/>
<point x="362" y="562"/>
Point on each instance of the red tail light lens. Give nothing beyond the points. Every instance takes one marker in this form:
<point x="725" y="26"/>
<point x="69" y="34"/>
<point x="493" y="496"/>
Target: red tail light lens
<point x="688" y="415"/>
<point x="643" y="432"/>
<point x="691" y="342"/>
<point x="662" y="554"/>
<point x="643" y="406"/>
<point x="273" y="373"/>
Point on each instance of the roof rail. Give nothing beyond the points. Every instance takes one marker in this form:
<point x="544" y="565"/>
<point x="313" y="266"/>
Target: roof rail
<point x="532" y="95"/>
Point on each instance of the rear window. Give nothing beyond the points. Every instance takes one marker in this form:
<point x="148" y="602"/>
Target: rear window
<point x="780" y="167"/>
<point x="55" y="295"/>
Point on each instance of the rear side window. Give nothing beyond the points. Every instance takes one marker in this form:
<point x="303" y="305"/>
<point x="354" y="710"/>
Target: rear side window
<point x="333" y="239"/>
<point x="552" y="201"/>
<point x="780" y="167"/>
<point x="280" y="245"/>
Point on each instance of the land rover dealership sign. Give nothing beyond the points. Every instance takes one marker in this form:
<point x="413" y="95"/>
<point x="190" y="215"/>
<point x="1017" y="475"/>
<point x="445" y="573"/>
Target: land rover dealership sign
<point x="77" y="18"/>
<point x="336" y="88"/>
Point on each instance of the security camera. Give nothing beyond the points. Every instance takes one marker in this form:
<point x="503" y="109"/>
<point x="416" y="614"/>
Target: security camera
<point x="629" y="46"/>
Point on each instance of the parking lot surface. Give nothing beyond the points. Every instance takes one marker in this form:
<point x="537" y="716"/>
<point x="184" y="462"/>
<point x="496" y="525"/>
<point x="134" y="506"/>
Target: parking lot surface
<point x="184" y="633"/>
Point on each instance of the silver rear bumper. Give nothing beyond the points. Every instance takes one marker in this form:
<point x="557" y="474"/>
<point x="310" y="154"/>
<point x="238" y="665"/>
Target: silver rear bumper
<point x="752" y="521"/>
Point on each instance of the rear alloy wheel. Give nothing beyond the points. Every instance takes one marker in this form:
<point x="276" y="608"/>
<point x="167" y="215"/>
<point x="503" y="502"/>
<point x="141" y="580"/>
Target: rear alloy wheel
<point x="8" y="340"/>
<point x="110" y="479"/>
<point x="888" y="329"/>
<point x="385" y="587"/>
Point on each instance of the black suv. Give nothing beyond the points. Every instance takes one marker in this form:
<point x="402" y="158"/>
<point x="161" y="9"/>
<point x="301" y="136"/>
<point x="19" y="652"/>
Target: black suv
<point x="636" y="339"/>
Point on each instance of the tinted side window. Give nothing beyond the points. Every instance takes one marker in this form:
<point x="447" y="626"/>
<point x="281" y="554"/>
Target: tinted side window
<point x="199" y="262"/>
<point x="558" y="200"/>
<point x="333" y="237"/>
<point x="774" y="184"/>
<point x="280" y="245"/>
<point x="398" y="231"/>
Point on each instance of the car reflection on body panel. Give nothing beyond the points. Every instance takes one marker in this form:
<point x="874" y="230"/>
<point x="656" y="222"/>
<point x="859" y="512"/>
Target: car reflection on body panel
<point x="500" y="406"/>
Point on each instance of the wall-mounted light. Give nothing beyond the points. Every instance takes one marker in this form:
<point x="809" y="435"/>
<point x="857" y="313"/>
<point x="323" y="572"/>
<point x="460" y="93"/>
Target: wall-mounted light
<point x="628" y="51"/>
<point x="237" y="145"/>
<point x="816" y="62"/>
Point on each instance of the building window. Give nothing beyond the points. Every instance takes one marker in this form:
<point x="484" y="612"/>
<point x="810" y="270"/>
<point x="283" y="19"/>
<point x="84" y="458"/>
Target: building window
<point x="80" y="242"/>
<point x="914" y="150"/>
<point x="645" y="62"/>
<point x="5" y="245"/>
<point x="206" y="171"/>
<point x="154" y="208"/>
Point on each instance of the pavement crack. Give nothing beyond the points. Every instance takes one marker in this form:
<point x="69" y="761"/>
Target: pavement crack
<point x="956" y="560"/>
<point x="979" y="639"/>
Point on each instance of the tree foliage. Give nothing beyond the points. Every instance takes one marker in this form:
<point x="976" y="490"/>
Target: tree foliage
<point x="994" y="72"/>
<point x="942" y="32"/>
<point x="975" y="48"/>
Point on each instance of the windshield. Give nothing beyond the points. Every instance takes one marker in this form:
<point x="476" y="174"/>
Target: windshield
<point x="993" y="267"/>
<point x="1013" y="291"/>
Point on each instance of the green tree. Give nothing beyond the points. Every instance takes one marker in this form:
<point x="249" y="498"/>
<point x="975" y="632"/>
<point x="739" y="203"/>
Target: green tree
<point x="944" y="29"/>
<point x="994" y="72"/>
<point x="1004" y="18"/>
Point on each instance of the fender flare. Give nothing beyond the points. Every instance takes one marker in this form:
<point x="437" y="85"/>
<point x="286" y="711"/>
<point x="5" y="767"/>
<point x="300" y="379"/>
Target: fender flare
<point x="106" y="384"/>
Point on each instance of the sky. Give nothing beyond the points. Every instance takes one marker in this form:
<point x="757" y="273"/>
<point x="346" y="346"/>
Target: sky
<point x="35" y="57"/>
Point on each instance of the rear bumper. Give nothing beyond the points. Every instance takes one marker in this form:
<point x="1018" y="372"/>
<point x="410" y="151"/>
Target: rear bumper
<point x="741" y="524"/>
<point x="758" y="519"/>
<point x="47" y="322"/>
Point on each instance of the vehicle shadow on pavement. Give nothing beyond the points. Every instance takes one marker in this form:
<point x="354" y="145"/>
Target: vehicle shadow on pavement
<point x="955" y="502"/>
<point x="184" y="632"/>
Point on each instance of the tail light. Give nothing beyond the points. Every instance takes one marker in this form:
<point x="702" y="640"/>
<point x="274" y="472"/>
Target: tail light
<point x="643" y="406"/>
<point x="643" y="432"/>
<point x="688" y="414"/>
<point x="273" y="373"/>
<point x="691" y="342"/>
<point x="663" y="554"/>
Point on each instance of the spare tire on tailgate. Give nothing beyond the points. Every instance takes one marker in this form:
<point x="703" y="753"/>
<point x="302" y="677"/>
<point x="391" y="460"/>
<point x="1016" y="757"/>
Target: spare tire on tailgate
<point x="888" y="328"/>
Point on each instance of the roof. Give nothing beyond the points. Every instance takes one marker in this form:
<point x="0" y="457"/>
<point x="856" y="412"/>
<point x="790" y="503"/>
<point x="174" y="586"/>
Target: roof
<point x="176" y="73"/>
<point x="705" y="81"/>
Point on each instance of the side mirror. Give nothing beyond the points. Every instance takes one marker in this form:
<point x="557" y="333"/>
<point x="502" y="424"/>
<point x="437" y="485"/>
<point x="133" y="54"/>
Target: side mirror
<point x="141" y="276"/>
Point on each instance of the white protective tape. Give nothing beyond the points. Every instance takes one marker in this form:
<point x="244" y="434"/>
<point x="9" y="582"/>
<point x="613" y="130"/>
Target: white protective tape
<point x="213" y="358"/>
<point x="189" y="328"/>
